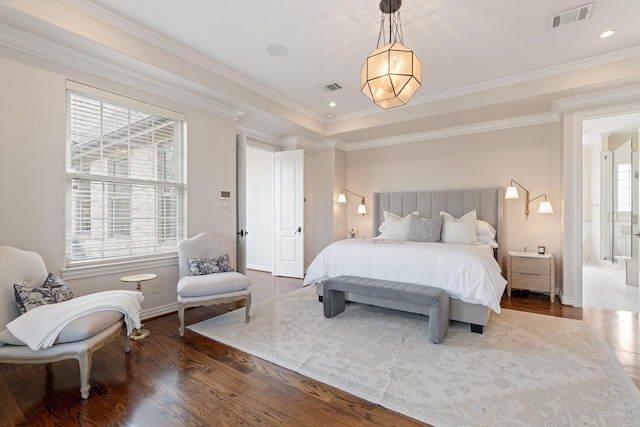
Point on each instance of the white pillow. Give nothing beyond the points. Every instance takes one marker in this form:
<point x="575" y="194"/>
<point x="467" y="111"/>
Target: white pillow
<point x="491" y="241"/>
<point x="459" y="230"/>
<point x="395" y="227"/>
<point x="483" y="228"/>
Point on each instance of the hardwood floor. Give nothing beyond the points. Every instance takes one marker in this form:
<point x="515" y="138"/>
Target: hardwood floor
<point x="194" y="381"/>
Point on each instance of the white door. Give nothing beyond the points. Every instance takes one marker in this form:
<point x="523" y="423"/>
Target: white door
<point x="241" y="202"/>
<point x="289" y="213"/>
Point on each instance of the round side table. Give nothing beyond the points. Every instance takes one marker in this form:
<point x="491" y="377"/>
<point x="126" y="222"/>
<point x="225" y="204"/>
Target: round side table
<point x="139" y="334"/>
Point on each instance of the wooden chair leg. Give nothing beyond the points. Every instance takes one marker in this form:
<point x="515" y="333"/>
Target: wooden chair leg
<point x="247" y="307"/>
<point x="181" y="317"/>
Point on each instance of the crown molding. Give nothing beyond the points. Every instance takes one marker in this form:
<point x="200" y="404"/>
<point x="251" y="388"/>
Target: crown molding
<point x="505" y="81"/>
<point x="628" y="93"/>
<point x="160" y="85"/>
<point x="332" y="143"/>
<point x="494" y="125"/>
<point x="295" y="142"/>
<point x="119" y="22"/>
<point x="260" y="136"/>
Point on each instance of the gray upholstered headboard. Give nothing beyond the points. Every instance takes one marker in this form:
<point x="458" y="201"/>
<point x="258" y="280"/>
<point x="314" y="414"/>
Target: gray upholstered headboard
<point x="486" y="201"/>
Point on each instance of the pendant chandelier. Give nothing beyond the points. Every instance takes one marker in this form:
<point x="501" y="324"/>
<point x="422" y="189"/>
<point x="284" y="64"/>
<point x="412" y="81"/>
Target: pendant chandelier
<point x="392" y="73"/>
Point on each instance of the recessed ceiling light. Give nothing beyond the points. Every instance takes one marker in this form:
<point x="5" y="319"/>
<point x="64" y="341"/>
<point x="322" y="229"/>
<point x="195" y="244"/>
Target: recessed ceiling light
<point x="605" y="34"/>
<point x="277" y="50"/>
<point x="332" y="104"/>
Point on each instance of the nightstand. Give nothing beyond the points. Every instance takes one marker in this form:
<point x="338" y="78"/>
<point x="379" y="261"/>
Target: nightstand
<point x="531" y="271"/>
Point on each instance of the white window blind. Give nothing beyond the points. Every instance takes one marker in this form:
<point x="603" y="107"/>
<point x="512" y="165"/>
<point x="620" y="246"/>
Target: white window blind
<point x="126" y="179"/>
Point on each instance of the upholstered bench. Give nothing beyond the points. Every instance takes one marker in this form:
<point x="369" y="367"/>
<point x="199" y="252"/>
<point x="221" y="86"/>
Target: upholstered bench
<point x="436" y="299"/>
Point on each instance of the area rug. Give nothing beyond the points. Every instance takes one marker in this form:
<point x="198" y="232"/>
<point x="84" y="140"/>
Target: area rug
<point x="525" y="370"/>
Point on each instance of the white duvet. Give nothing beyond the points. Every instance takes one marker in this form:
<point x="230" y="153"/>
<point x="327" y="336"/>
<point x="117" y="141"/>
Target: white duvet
<point x="467" y="272"/>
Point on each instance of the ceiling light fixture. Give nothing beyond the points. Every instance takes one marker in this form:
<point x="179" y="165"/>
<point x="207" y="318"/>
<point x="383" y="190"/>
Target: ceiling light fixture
<point x="392" y="74"/>
<point x="605" y="34"/>
<point x="332" y="104"/>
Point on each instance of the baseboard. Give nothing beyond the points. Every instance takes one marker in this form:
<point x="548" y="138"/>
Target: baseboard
<point x="159" y="311"/>
<point x="266" y="268"/>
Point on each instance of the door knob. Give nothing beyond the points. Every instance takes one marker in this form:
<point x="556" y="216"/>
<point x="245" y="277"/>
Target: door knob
<point x="299" y="230"/>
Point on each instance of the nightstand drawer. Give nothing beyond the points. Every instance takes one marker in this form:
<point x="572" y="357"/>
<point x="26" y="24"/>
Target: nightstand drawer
<point x="532" y="282"/>
<point x="530" y="265"/>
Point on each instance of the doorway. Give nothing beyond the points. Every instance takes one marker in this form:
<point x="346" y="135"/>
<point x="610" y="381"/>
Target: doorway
<point x="610" y="212"/>
<point x="259" y="209"/>
<point x="275" y="211"/>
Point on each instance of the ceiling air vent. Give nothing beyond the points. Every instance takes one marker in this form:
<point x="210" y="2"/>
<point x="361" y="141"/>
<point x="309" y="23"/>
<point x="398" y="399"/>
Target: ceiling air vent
<point x="331" y="87"/>
<point x="572" y="15"/>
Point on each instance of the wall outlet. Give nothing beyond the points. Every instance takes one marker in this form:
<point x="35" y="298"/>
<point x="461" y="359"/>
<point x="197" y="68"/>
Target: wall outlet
<point x="155" y="286"/>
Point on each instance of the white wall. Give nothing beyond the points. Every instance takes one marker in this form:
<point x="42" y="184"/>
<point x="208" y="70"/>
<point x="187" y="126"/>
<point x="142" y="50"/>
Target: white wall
<point x="532" y="155"/>
<point x="260" y="209"/>
<point x="32" y="168"/>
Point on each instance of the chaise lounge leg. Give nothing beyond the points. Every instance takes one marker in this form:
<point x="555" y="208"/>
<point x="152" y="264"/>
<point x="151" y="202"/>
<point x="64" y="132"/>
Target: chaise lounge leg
<point x="84" y="360"/>
<point x="476" y="328"/>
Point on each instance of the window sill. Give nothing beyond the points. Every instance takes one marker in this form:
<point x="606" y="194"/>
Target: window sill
<point x="81" y="272"/>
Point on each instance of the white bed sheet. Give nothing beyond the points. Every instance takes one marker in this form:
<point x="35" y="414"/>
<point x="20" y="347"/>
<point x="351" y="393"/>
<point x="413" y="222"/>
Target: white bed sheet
<point x="466" y="272"/>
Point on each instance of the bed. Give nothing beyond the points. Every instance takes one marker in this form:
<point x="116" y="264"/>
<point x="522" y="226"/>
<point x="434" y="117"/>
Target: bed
<point x="443" y="265"/>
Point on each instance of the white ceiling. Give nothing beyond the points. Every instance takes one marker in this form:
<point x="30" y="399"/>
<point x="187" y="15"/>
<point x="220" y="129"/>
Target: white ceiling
<point x="466" y="47"/>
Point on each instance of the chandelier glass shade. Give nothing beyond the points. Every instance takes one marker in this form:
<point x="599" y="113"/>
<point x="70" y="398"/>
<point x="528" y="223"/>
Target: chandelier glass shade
<point x="391" y="74"/>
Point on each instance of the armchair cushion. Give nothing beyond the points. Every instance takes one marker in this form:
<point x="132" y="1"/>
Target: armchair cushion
<point x="78" y="330"/>
<point x="212" y="284"/>
<point x="53" y="290"/>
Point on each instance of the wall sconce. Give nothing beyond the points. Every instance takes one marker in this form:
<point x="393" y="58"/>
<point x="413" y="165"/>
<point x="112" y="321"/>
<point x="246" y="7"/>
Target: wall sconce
<point x="512" y="193"/>
<point x="544" y="208"/>
<point x="342" y="198"/>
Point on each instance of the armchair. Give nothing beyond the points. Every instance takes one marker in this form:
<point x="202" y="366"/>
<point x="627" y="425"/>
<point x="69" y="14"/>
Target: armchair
<point x="209" y="289"/>
<point x="78" y="340"/>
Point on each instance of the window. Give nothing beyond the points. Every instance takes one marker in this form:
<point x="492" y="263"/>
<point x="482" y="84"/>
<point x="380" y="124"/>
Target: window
<point x="624" y="187"/>
<point x="126" y="185"/>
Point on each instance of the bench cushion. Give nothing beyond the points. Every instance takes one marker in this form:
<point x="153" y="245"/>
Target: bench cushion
<point x="436" y="299"/>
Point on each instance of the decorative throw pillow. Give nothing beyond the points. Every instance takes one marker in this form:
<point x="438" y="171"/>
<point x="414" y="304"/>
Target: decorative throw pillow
<point x="395" y="227"/>
<point x="53" y="290"/>
<point x="425" y="229"/>
<point x="459" y="230"/>
<point x="202" y="266"/>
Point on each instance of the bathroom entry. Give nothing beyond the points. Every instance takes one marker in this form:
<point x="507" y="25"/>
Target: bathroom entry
<point x="610" y="212"/>
<point x="618" y="209"/>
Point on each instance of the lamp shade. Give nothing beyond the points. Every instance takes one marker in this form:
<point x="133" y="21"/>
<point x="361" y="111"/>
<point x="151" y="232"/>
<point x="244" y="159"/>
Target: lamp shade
<point x="362" y="210"/>
<point x="545" y="207"/>
<point x="391" y="75"/>
<point x="342" y="198"/>
<point x="511" y="193"/>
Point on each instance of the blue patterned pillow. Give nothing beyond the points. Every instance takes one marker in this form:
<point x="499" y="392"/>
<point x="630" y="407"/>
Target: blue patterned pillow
<point x="53" y="290"/>
<point x="202" y="266"/>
